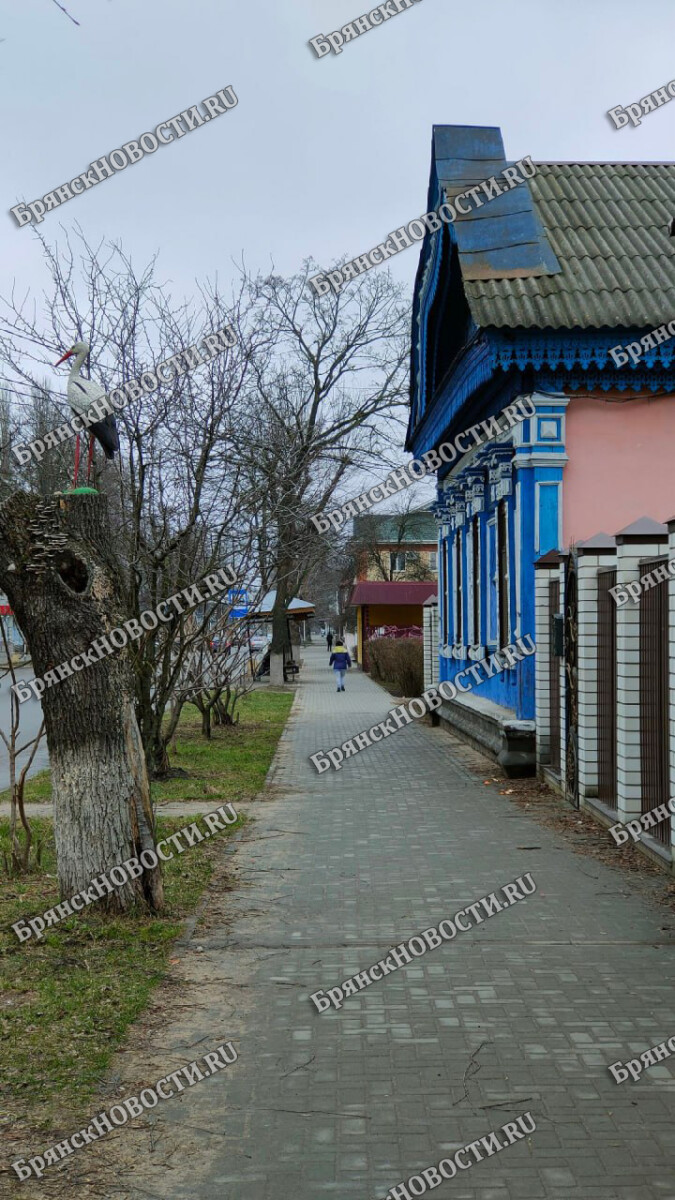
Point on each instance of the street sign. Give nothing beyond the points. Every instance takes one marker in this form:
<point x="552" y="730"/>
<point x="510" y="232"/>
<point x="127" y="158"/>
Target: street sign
<point x="238" y="599"/>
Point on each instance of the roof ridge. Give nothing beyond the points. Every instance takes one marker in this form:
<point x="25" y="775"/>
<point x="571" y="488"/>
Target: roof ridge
<point x="593" y="162"/>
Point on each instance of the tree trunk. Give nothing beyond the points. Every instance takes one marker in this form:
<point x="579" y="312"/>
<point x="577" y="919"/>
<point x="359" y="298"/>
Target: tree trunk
<point x="206" y="722"/>
<point x="65" y="589"/>
<point x="157" y="760"/>
<point x="280" y="644"/>
<point x="280" y="640"/>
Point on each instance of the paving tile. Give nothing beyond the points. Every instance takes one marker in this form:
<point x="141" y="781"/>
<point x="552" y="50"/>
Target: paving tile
<point x="523" y="1012"/>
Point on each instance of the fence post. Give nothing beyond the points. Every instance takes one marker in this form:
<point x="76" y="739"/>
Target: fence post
<point x="430" y="633"/>
<point x="641" y="539"/>
<point x="598" y="551"/>
<point x="546" y="571"/>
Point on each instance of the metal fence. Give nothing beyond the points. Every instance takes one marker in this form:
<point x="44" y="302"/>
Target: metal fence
<point x="554" y="679"/>
<point x="654" y="717"/>
<point x="606" y="689"/>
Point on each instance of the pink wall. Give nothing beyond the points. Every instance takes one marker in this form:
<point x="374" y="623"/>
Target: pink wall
<point x="621" y="463"/>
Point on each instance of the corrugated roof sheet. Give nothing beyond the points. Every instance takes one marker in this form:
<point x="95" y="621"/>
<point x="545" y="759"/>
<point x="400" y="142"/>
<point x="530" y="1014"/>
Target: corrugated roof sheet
<point x="608" y="226"/>
<point x="392" y="593"/>
<point x="296" y="607"/>
<point x="413" y="528"/>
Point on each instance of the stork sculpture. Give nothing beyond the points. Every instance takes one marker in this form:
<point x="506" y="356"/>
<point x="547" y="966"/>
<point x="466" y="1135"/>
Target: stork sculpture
<point x="82" y="394"/>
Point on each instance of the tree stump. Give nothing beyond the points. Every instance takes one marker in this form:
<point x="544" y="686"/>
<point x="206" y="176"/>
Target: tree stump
<point x="63" y="582"/>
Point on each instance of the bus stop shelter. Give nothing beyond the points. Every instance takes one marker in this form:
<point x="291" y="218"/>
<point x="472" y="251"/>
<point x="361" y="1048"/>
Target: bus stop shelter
<point x="297" y="610"/>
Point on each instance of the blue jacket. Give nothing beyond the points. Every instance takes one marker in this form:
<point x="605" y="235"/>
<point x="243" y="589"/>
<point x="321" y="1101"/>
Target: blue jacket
<point x="340" y="662"/>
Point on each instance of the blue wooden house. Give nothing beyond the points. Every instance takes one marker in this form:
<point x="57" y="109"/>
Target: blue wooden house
<point x="521" y="300"/>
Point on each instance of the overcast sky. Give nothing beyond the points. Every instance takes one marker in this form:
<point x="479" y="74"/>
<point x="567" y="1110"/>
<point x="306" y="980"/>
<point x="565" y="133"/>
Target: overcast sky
<point x="322" y="156"/>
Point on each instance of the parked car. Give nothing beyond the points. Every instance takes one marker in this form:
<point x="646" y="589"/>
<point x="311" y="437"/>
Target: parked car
<point x="218" y="644"/>
<point x="396" y="631"/>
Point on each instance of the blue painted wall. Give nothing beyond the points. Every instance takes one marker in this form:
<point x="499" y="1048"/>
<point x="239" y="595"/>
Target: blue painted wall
<point x="527" y="478"/>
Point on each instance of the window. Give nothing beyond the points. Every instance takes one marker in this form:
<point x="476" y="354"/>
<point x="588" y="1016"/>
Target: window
<point x="476" y="565"/>
<point x="491" y="604"/>
<point x="401" y="561"/>
<point x="503" y="581"/>
<point x="433" y="560"/>
<point x="459" y="583"/>
<point x="447" y="583"/>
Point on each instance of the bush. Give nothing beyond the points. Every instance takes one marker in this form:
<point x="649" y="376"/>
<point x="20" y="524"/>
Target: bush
<point x="398" y="661"/>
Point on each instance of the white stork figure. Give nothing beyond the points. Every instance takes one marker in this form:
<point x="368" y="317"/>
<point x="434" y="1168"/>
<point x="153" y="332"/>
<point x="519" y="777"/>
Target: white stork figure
<point x="82" y="394"/>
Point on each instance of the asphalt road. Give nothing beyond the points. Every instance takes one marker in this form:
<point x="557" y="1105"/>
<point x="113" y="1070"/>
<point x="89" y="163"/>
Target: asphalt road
<point x="31" y="716"/>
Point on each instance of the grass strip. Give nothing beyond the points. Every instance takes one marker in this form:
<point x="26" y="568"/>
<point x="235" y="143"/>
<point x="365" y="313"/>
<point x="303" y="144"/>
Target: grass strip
<point x="68" y="1000"/>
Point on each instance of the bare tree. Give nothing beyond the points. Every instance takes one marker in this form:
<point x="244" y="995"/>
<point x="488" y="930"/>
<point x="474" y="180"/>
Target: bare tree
<point x="76" y="566"/>
<point x="217" y="674"/>
<point x="65" y="10"/>
<point x="175" y="500"/>
<point x="388" y="544"/>
<point x="328" y="584"/>
<point x="284" y="414"/>
<point x="336" y="367"/>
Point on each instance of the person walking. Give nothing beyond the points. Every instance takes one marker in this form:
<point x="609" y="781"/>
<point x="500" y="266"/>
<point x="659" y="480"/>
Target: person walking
<point x="329" y="640"/>
<point x="340" y="662"/>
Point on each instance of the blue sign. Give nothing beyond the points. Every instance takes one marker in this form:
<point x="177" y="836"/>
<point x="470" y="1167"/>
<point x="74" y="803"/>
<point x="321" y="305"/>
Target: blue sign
<point x="238" y="598"/>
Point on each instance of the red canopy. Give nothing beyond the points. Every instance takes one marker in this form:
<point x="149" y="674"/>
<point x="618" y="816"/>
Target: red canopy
<point x="392" y="593"/>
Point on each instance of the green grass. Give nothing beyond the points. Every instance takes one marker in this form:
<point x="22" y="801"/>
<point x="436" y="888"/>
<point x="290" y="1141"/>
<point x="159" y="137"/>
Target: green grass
<point x="68" y="1000"/>
<point x="231" y="766"/>
<point x="38" y="789"/>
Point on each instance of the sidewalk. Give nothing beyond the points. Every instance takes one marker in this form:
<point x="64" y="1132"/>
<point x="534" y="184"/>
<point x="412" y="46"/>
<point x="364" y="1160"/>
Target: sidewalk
<point x="524" y="1012"/>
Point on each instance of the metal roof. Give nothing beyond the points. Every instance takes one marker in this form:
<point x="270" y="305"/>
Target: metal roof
<point x="418" y="527"/>
<point x="391" y="593"/>
<point x="499" y="239"/>
<point x="295" y="607"/>
<point x="607" y="224"/>
<point x="644" y="527"/>
<point x="599" y="541"/>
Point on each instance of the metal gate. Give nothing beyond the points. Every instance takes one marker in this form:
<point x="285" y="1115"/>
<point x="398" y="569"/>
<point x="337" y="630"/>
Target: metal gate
<point x="571" y="681"/>
<point x="554" y="678"/>
<point x="654" y="730"/>
<point x="606" y="688"/>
